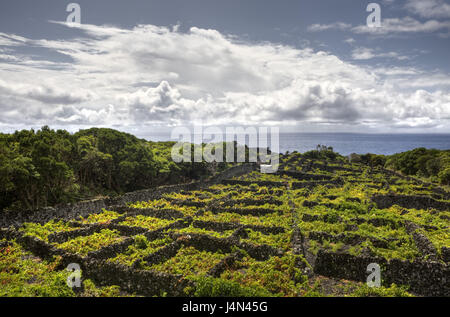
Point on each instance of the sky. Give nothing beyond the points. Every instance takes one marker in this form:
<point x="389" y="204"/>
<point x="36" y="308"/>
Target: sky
<point x="148" y="66"/>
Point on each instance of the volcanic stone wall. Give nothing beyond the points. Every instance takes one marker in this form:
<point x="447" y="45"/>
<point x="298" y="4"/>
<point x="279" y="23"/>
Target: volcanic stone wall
<point x="426" y="278"/>
<point x="85" y="208"/>
<point x="417" y="202"/>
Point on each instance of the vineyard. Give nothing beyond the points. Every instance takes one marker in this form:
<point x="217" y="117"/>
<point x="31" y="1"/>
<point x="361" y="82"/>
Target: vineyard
<point x="311" y="229"/>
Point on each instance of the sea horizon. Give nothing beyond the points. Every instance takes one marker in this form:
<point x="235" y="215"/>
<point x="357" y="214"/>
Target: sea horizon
<point x="346" y="143"/>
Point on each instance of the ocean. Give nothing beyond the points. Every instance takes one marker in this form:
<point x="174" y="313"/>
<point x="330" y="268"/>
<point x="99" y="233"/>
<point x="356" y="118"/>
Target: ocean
<point x="346" y="143"/>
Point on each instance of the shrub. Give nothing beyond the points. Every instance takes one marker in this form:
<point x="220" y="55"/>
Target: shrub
<point x="392" y="291"/>
<point x="140" y="242"/>
<point x="217" y="287"/>
<point x="444" y="176"/>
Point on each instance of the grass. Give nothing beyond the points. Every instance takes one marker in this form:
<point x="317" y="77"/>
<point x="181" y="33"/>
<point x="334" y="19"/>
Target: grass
<point x="102" y="217"/>
<point x="150" y="223"/>
<point x="83" y="245"/>
<point x="43" y="231"/>
<point x="189" y="262"/>
<point x="22" y="274"/>
<point x="140" y="249"/>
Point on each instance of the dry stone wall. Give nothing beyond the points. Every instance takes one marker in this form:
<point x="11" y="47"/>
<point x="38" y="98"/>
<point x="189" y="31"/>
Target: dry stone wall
<point x="426" y="278"/>
<point x="86" y="208"/>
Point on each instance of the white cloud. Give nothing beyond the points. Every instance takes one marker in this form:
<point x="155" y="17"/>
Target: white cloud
<point x="397" y="71"/>
<point x="389" y="26"/>
<point x="44" y="93"/>
<point x="364" y="53"/>
<point x="350" y="40"/>
<point x="403" y="25"/>
<point x="152" y="75"/>
<point x="429" y="8"/>
<point x="11" y="40"/>
<point x="334" y="26"/>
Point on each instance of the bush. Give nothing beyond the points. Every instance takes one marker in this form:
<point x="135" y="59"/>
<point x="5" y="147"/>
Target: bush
<point x="322" y="152"/>
<point x="47" y="167"/>
<point x="373" y="160"/>
<point x="217" y="287"/>
<point x="392" y="291"/>
<point x="444" y="176"/>
<point x="140" y="242"/>
<point x="419" y="161"/>
<point x="422" y="162"/>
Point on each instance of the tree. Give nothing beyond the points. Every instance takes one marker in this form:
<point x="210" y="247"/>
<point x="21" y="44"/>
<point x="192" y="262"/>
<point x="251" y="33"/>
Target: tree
<point x="48" y="167"/>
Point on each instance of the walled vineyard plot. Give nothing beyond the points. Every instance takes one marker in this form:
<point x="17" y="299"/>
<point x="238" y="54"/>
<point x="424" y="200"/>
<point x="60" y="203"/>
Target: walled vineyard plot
<point x="311" y="228"/>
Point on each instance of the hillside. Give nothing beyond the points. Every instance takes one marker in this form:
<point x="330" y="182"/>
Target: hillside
<point x="309" y="230"/>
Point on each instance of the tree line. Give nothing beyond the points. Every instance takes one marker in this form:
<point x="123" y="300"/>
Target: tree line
<point x="48" y="167"/>
<point x="426" y="163"/>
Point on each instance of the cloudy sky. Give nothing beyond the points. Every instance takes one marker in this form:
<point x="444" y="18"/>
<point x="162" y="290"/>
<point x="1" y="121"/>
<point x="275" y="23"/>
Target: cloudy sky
<point x="305" y="65"/>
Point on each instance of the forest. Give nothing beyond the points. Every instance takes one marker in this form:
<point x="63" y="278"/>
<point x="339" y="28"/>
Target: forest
<point x="47" y="167"/>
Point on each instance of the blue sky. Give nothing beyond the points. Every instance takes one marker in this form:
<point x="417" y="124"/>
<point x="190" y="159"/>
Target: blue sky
<point x="300" y="65"/>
